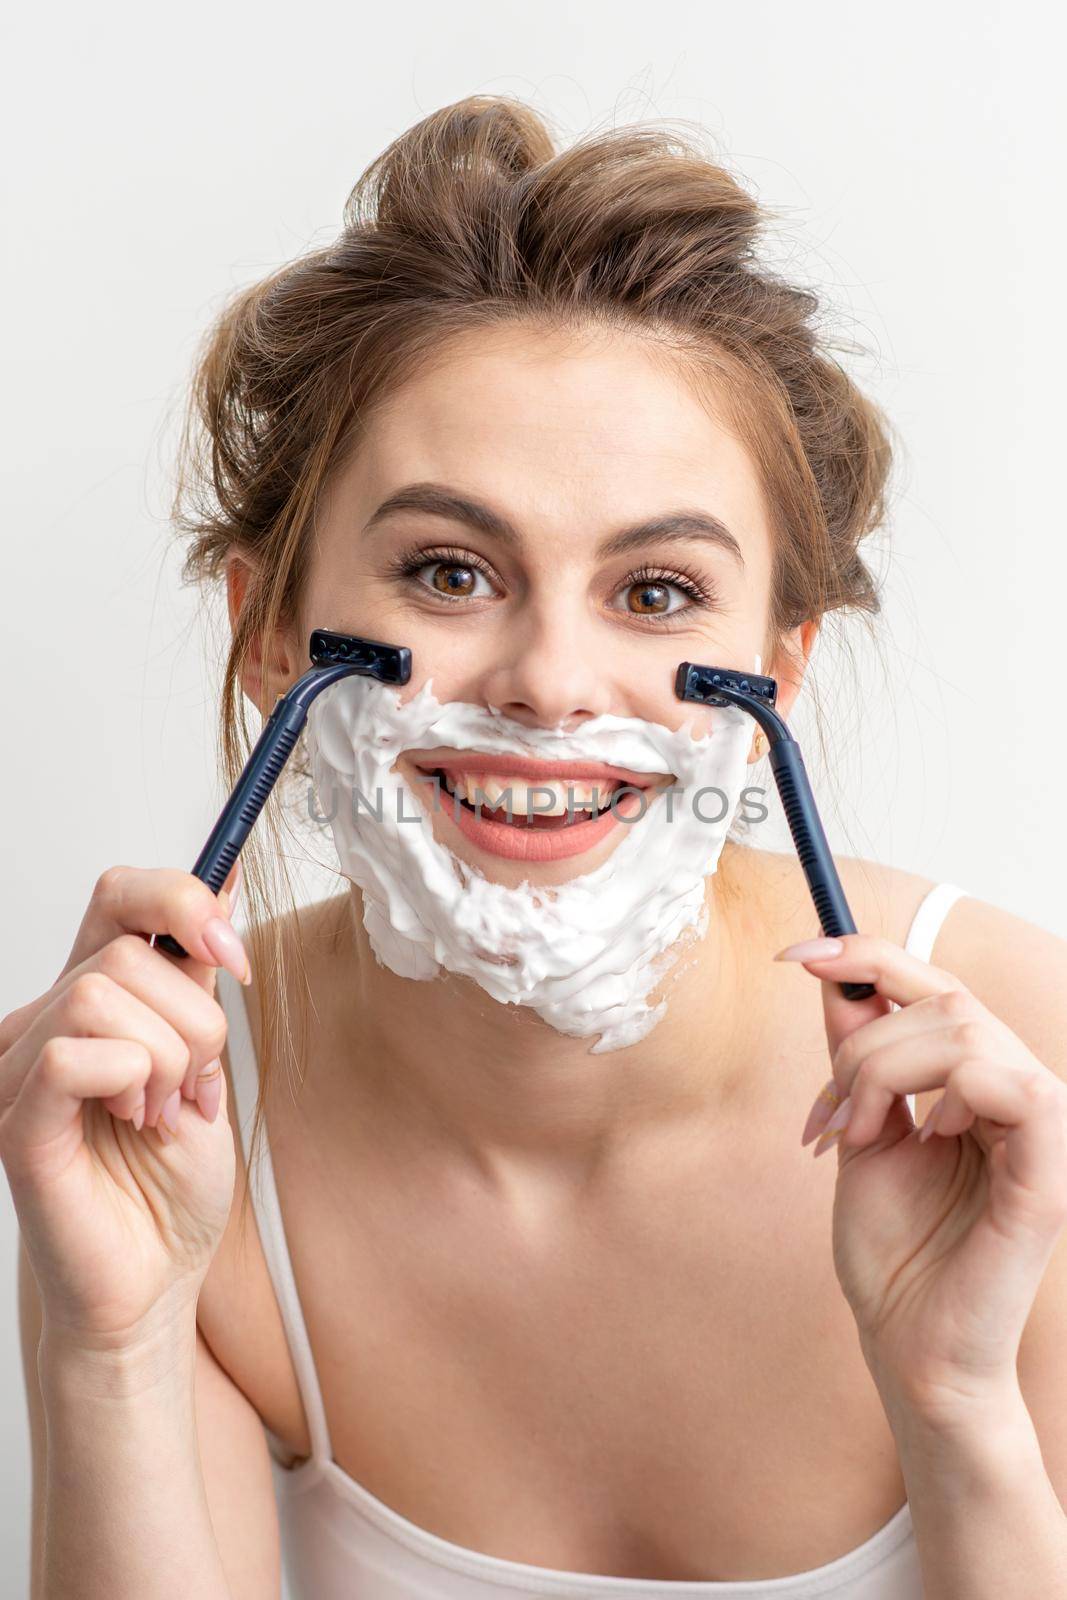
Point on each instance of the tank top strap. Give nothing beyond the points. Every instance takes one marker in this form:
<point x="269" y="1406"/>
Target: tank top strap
<point x="926" y="923"/>
<point x="263" y="1194"/>
<point x="932" y="911"/>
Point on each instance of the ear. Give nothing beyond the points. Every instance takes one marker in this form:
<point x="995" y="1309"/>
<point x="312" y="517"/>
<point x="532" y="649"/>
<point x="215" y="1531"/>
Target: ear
<point x="271" y="665"/>
<point x="790" y="663"/>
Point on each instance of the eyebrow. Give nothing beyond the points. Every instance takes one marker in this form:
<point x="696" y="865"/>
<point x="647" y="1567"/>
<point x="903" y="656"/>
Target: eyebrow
<point x="437" y="500"/>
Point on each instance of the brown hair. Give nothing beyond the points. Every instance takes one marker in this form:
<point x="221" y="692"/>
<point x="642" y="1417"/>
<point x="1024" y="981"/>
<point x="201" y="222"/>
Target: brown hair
<point x="469" y="220"/>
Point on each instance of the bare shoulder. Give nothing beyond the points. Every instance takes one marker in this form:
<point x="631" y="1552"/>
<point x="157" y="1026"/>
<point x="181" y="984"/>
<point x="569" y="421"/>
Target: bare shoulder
<point x="883" y="899"/>
<point x="1016" y="968"/>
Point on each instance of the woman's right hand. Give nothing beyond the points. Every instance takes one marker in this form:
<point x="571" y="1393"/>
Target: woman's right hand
<point x="120" y="1216"/>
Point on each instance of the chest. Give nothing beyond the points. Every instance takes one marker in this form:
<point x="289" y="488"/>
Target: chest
<point x="668" y="1387"/>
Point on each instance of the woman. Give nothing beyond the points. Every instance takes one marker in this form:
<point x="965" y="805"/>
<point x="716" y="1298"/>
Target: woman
<point x="559" y="1306"/>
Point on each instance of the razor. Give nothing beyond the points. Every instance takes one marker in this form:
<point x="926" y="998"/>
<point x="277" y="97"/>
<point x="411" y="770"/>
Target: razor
<point x="718" y="686"/>
<point x="333" y="656"/>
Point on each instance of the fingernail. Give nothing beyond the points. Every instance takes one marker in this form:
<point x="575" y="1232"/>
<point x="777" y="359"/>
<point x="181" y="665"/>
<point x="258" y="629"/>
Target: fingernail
<point x="138" y="1117"/>
<point x="170" y="1110"/>
<point x="835" y="1127"/>
<point x="825" y="1104"/>
<point x="227" y="949"/>
<point x="209" y="1090"/>
<point x="811" y="950"/>
<point x="232" y="888"/>
<point x="928" y="1126"/>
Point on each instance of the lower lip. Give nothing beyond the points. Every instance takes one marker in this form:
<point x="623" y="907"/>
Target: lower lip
<point x="538" y="844"/>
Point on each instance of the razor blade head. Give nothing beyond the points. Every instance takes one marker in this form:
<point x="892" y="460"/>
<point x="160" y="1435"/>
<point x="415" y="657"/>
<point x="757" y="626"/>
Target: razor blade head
<point x="705" y="685"/>
<point x="389" y="663"/>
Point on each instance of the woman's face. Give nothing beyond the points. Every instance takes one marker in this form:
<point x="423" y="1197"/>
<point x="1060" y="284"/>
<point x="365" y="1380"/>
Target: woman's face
<point x="551" y="526"/>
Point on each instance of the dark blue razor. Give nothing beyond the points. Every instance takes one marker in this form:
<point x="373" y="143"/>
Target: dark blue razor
<point x="717" y="686"/>
<point x="334" y="655"/>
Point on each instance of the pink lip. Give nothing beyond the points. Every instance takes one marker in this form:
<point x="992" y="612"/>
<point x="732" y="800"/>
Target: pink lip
<point x="535" y="844"/>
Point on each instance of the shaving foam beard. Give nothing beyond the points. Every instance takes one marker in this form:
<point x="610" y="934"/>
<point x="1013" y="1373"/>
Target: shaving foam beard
<point x="583" y="954"/>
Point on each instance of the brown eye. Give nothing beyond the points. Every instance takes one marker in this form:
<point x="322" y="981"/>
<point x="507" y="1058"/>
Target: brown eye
<point x="648" y="599"/>
<point x="451" y="578"/>
<point x="456" y="580"/>
<point x="650" y="593"/>
<point x="448" y="573"/>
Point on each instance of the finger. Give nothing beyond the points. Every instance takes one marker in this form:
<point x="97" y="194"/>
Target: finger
<point x="16" y="1023"/>
<point x="110" y="911"/>
<point x="171" y="991"/>
<point x="196" y="1085"/>
<point x="95" y="1006"/>
<point x="1032" y="1106"/>
<point x="897" y="976"/>
<point x="209" y="1090"/>
<point x="895" y="973"/>
<point x="129" y="1106"/>
<point x="66" y="1073"/>
<point x="903" y="1022"/>
<point x="917" y="1064"/>
<point x="953" y="1008"/>
<point x="99" y="928"/>
<point x="232" y="887"/>
<point x="153" y="901"/>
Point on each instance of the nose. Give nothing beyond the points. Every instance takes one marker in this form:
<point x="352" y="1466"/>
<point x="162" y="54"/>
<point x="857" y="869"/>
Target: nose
<point x="548" y="672"/>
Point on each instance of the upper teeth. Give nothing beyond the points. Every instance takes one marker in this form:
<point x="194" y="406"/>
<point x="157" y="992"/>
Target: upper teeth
<point x="531" y="798"/>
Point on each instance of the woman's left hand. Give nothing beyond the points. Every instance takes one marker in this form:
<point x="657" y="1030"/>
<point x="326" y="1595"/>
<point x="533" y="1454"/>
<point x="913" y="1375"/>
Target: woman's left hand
<point x="940" y="1244"/>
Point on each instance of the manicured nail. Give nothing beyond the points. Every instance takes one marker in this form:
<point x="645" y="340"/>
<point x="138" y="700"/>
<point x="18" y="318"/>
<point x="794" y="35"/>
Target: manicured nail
<point x="238" y="880"/>
<point x="928" y="1126"/>
<point x="209" y="1090"/>
<point x="835" y="1127"/>
<point x="825" y="1104"/>
<point x="138" y="1117"/>
<point x="811" y="950"/>
<point x="170" y="1110"/>
<point x="227" y="949"/>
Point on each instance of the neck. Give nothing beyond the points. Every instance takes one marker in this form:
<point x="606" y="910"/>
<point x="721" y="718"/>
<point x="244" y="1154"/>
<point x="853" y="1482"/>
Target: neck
<point x="497" y="1085"/>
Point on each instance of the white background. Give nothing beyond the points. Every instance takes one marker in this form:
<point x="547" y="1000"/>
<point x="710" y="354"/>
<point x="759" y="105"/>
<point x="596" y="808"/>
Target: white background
<point x="157" y="158"/>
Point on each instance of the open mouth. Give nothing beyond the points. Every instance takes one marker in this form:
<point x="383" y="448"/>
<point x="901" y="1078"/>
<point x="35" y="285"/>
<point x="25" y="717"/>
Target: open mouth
<point x="535" y="810"/>
<point x="517" y="804"/>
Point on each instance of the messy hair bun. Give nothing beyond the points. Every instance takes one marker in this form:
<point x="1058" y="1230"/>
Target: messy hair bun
<point x="471" y="218"/>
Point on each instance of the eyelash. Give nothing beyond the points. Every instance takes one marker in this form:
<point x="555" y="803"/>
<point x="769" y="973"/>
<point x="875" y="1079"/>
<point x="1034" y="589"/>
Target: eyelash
<point x="407" y="564"/>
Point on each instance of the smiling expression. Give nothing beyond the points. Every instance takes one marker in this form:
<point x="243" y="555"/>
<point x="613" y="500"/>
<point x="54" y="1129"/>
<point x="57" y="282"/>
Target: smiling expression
<point x="550" y="524"/>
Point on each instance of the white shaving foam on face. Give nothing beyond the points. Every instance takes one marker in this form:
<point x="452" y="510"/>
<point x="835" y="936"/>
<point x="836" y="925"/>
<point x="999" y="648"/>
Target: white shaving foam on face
<point x="583" y="954"/>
